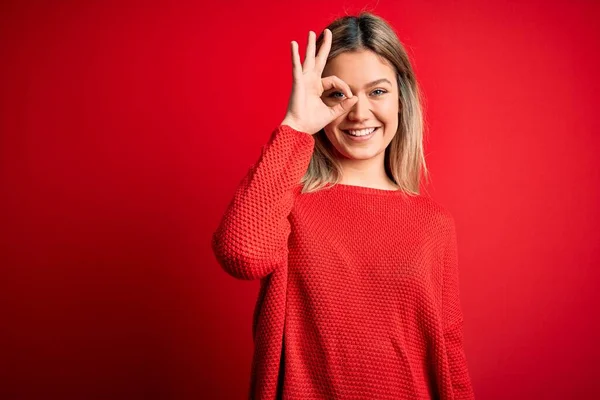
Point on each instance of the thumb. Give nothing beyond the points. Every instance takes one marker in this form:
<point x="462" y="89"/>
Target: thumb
<point x="344" y="106"/>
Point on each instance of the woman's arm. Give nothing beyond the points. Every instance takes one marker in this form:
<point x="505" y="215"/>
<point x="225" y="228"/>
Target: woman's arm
<point x="252" y="237"/>
<point x="251" y="240"/>
<point x="453" y="320"/>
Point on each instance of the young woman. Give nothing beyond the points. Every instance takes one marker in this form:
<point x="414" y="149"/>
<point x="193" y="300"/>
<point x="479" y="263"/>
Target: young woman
<point x="359" y="288"/>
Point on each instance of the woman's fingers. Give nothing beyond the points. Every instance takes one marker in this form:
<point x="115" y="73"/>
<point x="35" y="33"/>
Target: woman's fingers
<point x="296" y="65"/>
<point x="333" y="82"/>
<point x="343" y="107"/>
<point x="323" y="52"/>
<point x="309" y="59"/>
<point x="305" y="104"/>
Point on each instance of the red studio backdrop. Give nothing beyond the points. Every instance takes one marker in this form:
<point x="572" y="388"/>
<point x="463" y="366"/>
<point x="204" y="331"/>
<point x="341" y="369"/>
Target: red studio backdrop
<point x="126" y="126"/>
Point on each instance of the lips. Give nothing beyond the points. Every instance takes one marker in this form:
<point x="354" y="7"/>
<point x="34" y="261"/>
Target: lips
<point x="359" y="132"/>
<point x="359" y="129"/>
<point x="360" y="138"/>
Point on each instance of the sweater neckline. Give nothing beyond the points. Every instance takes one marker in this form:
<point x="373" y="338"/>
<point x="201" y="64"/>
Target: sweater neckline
<point x="366" y="190"/>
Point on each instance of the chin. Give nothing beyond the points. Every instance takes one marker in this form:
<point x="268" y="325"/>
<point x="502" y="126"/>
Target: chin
<point x="362" y="155"/>
<point x="359" y="153"/>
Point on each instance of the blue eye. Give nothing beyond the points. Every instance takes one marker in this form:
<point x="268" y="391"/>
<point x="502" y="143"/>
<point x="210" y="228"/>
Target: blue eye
<point x="334" y="94"/>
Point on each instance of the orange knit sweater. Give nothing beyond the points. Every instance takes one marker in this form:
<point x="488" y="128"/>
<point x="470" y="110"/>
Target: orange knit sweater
<point x="359" y="287"/>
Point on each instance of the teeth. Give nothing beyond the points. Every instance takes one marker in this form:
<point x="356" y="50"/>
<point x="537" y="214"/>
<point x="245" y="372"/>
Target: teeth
<point x="362" y="132"/>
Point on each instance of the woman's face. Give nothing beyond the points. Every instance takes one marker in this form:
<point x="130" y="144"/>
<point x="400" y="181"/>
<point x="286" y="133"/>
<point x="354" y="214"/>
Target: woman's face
<point x="377" y="107"/>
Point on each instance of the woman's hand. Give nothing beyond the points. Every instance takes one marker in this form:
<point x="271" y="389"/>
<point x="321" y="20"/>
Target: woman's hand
<point x="306" y="110"/>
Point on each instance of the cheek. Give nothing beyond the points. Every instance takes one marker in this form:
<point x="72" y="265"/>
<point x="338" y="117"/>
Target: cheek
<point x="329" y="128"/>
<point x="330" y="132"/>
<point x="333" y="126"/>
<point x="388" y="111"/>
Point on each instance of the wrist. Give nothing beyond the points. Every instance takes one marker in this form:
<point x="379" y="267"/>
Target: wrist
<point x="293" y="124"/>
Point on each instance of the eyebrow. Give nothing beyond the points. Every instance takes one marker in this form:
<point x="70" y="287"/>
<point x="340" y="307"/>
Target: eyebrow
<point x="375" y="82"/>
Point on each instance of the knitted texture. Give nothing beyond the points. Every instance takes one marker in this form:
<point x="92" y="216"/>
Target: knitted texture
<point x="359" y="287"/>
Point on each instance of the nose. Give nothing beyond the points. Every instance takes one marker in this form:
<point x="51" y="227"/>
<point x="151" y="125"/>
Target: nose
<point x="360" y="111"/>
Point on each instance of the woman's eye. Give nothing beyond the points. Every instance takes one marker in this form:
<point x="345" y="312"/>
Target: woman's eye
<point x="335" y="94"/>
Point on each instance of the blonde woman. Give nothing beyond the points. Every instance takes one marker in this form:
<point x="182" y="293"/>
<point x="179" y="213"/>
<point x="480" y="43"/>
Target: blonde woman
<point x="359" y="288"/>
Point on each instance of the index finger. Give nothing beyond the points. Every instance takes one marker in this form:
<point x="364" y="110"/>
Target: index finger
<point x="321" y="58"/>
<point x="333" y="82"/>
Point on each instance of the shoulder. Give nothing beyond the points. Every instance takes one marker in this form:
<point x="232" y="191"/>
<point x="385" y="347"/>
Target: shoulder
<point x="434" y="209"/>
<point x="443" y="226"/>
<point x="437" y="219"/>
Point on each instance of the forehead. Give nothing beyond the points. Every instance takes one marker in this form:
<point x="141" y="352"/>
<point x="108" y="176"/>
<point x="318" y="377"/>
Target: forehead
<point x="358" y="68"/>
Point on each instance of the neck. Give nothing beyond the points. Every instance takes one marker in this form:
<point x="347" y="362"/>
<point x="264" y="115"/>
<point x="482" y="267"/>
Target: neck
<point x="369" y="172"/>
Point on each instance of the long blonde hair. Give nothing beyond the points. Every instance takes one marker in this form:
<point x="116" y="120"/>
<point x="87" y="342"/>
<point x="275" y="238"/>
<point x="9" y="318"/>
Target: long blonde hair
<point x="404" y="156"/>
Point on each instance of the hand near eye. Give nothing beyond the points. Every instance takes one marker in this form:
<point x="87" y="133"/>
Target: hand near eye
<point x="306" y="110"/>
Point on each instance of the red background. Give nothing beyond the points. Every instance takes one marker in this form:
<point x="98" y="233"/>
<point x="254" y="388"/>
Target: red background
<point x="126" y="126"/>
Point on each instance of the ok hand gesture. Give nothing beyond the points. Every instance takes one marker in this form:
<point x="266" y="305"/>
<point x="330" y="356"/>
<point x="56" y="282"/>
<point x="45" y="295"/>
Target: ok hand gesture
<point x="306" y="110"/>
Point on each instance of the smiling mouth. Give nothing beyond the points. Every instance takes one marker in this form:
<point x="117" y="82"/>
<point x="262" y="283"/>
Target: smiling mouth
<point x="361" y="133"/>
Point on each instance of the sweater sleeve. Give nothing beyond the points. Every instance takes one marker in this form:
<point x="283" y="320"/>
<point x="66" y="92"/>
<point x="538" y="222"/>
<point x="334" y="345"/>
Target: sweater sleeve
<point x="252" y="237"/>
<point x="453" y="321"/>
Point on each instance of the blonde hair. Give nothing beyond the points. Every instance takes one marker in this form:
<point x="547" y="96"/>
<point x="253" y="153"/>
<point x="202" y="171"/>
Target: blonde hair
<point x="404" y="156"/>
